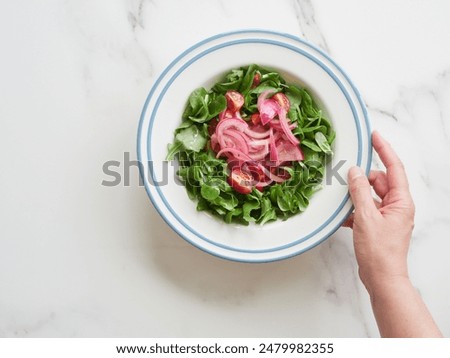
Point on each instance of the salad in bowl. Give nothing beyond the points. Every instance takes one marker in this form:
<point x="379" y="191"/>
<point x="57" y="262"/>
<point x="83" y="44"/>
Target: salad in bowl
<point x="244" y="144"/>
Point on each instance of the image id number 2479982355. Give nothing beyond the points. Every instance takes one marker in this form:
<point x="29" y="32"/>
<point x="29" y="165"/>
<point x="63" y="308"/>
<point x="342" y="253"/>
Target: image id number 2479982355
<point x="296" y="348"/>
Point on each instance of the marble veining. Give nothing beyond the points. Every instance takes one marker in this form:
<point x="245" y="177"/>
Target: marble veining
<point x="310" y="30"/>
<point x="135" y="17"/>
<point x="78" y="259"/>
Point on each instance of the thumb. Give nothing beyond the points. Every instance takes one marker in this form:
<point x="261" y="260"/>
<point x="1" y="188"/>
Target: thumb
<point x="360" y="190"/>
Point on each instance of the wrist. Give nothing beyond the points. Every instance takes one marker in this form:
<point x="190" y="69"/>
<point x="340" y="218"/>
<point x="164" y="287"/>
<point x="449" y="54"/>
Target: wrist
<point x="384" y="286"/>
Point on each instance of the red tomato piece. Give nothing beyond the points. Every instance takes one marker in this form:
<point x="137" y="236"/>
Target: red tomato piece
<point x="235" y="101"/>
<point x="240" y="181"/>
<point x="282" y="100"/>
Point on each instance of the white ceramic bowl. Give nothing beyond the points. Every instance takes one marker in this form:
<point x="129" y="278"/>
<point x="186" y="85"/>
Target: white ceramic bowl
<point x="204" y="64"/>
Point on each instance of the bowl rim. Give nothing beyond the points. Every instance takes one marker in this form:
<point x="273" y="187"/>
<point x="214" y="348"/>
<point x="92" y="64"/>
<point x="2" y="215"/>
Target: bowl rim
<point x="326" y="68"/>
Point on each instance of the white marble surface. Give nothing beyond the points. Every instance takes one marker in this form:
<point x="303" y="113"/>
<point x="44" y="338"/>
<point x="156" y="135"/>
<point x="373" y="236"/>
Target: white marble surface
<point x="78" y="259"/>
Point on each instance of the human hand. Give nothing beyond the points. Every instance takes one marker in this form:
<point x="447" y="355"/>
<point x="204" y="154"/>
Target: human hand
<point x="381" y="229"/>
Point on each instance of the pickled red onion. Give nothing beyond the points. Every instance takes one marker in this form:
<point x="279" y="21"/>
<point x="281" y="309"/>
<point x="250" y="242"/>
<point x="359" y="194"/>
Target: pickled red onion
<point x="236" y="152"/>
<point x="285" y="127"/>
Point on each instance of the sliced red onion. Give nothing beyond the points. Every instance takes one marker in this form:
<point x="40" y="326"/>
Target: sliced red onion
<point x="239" y="139"/>
<point x="268" y="108"/>
<point x="258" y="135"/>
<point x="236" y="152"/>
<point x="240" y="143"/>
<point x="230" y="122"/>
<point x="285" y="127"/>
<point x="276" y="124"/>
<point x="273" y="147"/>
<point x="258" y="156"/>
<point x="262" y="97"/>
<point x="255" y="143"/>
<point x="288" y="152"/>
<point x="278" y="136"/>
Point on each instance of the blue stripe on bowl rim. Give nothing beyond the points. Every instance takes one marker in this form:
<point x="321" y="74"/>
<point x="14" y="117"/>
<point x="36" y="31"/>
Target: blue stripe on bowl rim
<point x="215" y="48"/>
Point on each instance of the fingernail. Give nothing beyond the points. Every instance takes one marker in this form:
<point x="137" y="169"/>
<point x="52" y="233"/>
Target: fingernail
<point x="355" y="172"/>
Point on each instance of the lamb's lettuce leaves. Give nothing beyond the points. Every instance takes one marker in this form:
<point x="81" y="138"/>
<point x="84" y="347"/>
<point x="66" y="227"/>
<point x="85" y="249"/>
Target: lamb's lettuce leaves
<point x="202" y="105"/>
